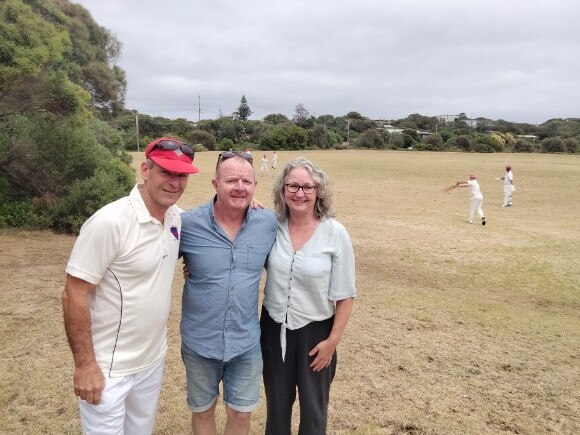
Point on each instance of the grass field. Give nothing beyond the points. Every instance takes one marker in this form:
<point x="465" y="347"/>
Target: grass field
<point x="457" y="329"/>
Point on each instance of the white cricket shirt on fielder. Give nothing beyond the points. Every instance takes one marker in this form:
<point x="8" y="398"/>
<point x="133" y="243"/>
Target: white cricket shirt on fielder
<point x="474" y="191"/>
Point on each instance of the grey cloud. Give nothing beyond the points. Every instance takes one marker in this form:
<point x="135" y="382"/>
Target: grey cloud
<point x="514" y="60"/>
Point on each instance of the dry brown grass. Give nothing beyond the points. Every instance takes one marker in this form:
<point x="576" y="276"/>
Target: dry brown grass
<point x="457" y="328"/>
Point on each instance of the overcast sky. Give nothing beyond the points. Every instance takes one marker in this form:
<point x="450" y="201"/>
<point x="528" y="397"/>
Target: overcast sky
<point x="517" y="60"/>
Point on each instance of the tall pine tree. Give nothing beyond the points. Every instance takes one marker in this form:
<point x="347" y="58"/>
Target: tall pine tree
<point x="244" y="111"/>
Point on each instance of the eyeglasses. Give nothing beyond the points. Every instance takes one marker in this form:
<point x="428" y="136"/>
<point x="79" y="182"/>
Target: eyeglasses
<point x="229" y="154"/>
<point x="172" y="145"/>
<point x="293" y="188"/>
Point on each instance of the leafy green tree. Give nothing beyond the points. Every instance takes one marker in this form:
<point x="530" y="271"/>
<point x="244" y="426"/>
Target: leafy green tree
<point x="58" y="163"/>
<point x="445" y="135"/>
<point x="396" y="141"/>
<point x="328" y="121"/>
<point x="54" y="57"/>
<point x="94" y="54"/>
<point x="493" y="141"/>
<point x="226" y="144"/>
<point x="202" y="137"/>
<point x="409" y="125"/>
<point x="301" y="116"/>
<point x="48" y="161"/>
<point x="571" y="145"/>
<point x="284" y="136"/>
<point x="370" y="138"/>
<point x="564" y="128"/>
<point x="523" y="146"/>
<point x="244" y="111"/>
<point x="426" y="123"/>
<point x="552" y="145"/>
<point x="482" y="147"/>
<point x="32" y="53"/>
<point x="319" y="137"/>
<point x="254" y="129"/>
<point x="276" y="118"/>
<point x="231" y="129"/>
<point x="462" y="142"/>
<point x="431" y="142"/>
<point x="182" y="127"/>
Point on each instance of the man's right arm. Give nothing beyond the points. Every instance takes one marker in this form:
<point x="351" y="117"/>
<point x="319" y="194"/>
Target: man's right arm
<point x="88" y="378"/>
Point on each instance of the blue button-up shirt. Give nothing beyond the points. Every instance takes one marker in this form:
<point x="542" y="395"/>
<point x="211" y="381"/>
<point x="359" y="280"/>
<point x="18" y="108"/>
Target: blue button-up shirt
<point x="219" y="318"/>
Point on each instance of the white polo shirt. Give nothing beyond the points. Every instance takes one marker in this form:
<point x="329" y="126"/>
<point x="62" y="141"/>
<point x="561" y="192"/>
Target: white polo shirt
<point x="508" y="180"/>
<point x="474" y="191"/>
<point x="130" y="256"/>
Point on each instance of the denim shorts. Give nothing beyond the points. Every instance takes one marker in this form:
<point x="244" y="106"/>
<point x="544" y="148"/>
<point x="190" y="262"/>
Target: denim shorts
<point x="241" y="378"/>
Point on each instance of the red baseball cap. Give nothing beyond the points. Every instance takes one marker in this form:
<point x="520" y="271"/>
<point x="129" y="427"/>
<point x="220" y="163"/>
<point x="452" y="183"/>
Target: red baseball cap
<point x="172" y="155"/>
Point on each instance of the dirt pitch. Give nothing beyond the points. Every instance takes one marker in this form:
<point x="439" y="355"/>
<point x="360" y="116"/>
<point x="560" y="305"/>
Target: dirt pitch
<point x="457" y="329"/>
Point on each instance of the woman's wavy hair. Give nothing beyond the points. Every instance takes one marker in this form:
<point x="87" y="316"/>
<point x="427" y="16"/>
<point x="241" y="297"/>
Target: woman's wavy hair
<point x="323" y="204"/>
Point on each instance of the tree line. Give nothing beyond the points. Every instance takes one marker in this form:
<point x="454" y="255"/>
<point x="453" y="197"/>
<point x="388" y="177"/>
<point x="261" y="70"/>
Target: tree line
<point x="65" y="131"/>
<point x="353" y="130"/>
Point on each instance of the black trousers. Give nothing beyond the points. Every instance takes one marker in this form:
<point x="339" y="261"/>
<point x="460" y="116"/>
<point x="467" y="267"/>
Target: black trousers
<point x="282" y="378"/>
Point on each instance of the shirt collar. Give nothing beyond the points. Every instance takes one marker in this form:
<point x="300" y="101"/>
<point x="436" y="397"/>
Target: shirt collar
<point x="141" y="210"/>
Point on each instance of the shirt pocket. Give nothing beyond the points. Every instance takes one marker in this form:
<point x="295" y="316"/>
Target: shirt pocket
<point x="315" y="265"/>
<point x="256" y="257"/>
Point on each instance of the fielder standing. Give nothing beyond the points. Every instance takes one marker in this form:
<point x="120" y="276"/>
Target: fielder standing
<point x="508" y="186"/>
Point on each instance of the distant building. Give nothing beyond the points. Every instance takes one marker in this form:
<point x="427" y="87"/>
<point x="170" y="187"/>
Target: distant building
<point x="452" y="118"/>
<point x="383" y="125"/>
<point x="531" y="137"/>
<point x="447" y="118"/>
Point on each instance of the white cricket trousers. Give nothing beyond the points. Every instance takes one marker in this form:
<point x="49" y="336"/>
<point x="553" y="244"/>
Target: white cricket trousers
<point x="507" y="196"/>
<point x="475" y="205"/>
<point x="128" y="405"/>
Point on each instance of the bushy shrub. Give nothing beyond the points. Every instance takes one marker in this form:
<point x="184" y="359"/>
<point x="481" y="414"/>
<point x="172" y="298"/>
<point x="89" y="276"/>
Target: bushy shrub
<point x="284" y="136"/>
<point x="47" y="161"/>
<point x="523" y="146"/>
<point x="85" y="197"/>
<point x="341" y="146"/>
<point x="396" y="141"/>
<point x="370" y="138"/>
<point x="432" y="142"/>
<point x="571" y="145"/>
<point x="202" y="137"/>
<point x="461" y="142"/>
<point x="488" y="143"/>
<point x="198" y="148"/>
<point x="481" y="147"/>
<point x="22" y="214"/>
<point x="552" y="145"/>
<point x="226" y="144"/>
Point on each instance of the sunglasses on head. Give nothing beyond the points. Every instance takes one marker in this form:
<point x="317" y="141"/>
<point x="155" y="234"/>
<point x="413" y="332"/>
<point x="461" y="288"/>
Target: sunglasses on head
<point x="172" y="145"/>
<point x="229" y="154"/>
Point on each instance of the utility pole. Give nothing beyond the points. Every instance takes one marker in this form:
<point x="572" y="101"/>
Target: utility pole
<point x="137" y="128"/>
<point x="198" y="108"/>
